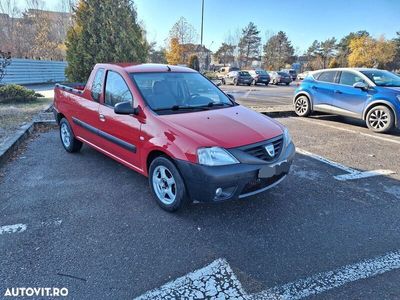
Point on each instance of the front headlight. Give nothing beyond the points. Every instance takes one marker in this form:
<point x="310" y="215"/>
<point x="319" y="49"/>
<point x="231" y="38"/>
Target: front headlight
<point x="287" y="137"/>
<point x="215" y="156"/>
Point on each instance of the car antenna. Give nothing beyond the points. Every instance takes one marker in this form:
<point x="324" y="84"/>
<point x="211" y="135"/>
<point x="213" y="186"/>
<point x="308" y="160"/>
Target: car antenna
<point x="169" y="69"/>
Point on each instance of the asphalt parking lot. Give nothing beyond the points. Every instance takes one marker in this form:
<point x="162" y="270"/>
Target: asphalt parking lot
<point x="84" y="222"/>
<point x="261" y="95"/>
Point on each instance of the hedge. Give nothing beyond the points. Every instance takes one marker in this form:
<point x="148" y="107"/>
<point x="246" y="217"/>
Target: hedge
<point x="17" y="93"/>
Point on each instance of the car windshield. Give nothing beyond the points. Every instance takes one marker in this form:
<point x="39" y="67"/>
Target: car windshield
<point x="283" y="73"/>
<point x="171" y="91"/>
<point x="292" y="72"/>
<point x="244" y="73"/>
<point x="261" y="72"/>
<point x="383" y="78"/>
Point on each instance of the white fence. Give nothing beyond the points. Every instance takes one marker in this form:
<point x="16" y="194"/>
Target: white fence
<point x="29" y="71"/>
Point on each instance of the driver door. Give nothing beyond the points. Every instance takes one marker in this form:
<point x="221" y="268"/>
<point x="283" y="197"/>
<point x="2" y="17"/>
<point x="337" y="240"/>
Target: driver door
<point x="120" y="133"/>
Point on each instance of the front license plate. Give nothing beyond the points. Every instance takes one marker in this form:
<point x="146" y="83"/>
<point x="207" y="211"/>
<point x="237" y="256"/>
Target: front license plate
<point x="269" y="171"/>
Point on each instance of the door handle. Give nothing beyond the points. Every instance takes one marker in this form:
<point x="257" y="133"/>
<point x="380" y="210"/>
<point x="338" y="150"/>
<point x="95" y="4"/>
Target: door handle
<point x="338" y="92"/>
<point x="102" y="118"/>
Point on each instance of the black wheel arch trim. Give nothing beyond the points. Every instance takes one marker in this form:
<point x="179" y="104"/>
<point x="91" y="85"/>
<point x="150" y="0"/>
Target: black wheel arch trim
<point x="105" y="135"/>
<point x="381" y="102"/>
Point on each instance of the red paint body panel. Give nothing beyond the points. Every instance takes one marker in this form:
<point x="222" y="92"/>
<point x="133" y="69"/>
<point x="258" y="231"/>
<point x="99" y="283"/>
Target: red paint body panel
<point x="177" y="135"/>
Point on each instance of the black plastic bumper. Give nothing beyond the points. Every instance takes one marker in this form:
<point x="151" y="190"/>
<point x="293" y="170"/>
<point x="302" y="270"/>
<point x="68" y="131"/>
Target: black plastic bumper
<point x="235" y="181"/>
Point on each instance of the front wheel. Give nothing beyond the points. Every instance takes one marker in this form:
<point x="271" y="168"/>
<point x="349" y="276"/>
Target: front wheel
<point x="235" y="82"/>
<point x="302" y="106"/>
<point x="380" y="119"/>
<point x="166" y="184"/>
<point x="70" y="143"/>
<point x="223" y="81"/>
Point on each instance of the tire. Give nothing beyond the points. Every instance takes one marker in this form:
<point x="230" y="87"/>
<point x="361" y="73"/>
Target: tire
<point x="380" y="119"/>
<point x="287" y="83"/>
<point x="249" y="84"/>
<point x="302" y="106"/>
<point x="223" y="81"/>
<point x="68" y="140"/>
<point x="169" y="194"/>
<point x="266" y="84"/>
<point x="235" y="82"/>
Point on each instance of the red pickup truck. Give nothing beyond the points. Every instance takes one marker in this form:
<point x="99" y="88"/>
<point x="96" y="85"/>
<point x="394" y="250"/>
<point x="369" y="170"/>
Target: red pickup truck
<point x="176" y="127"/>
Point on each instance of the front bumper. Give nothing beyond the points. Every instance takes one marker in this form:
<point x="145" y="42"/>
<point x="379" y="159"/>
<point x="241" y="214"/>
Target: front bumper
<point x="236" y="181"/>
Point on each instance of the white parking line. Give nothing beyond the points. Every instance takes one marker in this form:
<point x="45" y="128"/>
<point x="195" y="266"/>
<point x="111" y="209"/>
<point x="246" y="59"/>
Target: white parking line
<point x="16" y="228"/>
<point x="352" y="131"/>
<point x="352" y="173"/>
<point x="332" y="279"/>
<point x="218" y="281"/>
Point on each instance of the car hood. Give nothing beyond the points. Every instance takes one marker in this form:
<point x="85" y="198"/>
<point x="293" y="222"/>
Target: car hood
<point x="225" y="127"/>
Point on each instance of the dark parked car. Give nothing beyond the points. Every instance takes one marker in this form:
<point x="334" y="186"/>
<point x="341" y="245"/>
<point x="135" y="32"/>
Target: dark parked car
<point x="371" y="95"/>
<point x="291" y="72"/>
<point x="237" y="78"/>
<point x="259" y="76"/>
<point x="280" y="77"/>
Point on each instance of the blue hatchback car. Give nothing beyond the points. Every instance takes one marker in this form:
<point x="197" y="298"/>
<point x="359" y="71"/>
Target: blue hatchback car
<point x="369" y="94"/>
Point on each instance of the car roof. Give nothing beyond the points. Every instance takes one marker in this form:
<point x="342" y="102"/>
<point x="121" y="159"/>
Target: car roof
<point x="349" y="69"/>
<point x="147" y="68"/>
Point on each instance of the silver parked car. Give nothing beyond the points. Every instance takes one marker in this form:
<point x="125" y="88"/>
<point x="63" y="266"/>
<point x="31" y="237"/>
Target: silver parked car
<point x="280" y="77"/>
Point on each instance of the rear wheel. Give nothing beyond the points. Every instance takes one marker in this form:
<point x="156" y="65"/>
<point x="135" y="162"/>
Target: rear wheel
<point x="287" y="83"/>
<point x="302" y="106"/>
<point x="70" y="143"/>
<point x="380" y="119"/>
<point x="166" y="184"/>
<point x="223" y="81"/>
<point x="235" y="82"/>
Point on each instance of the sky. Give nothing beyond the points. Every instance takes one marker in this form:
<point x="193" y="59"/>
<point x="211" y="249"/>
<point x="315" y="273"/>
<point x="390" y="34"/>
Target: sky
<point x="303" y="20"/>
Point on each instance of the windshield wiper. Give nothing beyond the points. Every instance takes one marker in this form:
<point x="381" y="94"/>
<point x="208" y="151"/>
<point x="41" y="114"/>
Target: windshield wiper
<point x="181" y="107"/>
<point x="212" y="104"/>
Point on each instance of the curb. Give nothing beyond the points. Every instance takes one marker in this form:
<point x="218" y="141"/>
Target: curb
<point x="11" y="144"/>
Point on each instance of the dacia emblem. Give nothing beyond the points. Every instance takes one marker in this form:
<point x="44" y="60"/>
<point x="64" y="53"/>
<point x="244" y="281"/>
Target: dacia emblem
<point x="270" y="150"/>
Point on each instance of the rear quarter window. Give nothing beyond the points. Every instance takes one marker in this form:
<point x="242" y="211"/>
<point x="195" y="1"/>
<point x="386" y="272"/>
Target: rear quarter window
<point x="327" y="76"/>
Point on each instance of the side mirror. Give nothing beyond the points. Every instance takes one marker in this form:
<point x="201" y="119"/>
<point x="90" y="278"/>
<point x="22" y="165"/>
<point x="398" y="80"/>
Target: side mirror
<point x="231" y="97"/>
<point x="125" y="108"/>
<point x="361" y="85"/>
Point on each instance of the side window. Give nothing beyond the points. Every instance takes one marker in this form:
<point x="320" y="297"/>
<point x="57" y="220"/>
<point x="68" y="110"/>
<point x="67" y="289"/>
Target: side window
<point x="348" y="78"/>
<point x="97" y="85"/>
<point x="328" y="76"/>
<point x="116" y="89"/>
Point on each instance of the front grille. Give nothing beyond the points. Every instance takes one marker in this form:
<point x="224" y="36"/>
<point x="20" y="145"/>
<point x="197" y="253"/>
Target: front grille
<point x="258" y="150"/>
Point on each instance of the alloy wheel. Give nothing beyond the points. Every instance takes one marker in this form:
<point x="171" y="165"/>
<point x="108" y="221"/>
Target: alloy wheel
<point x="164" y="185"/>
<point x="378" y="119"/>
<point x="301" y="105"/>
<point x="65" y="135"/>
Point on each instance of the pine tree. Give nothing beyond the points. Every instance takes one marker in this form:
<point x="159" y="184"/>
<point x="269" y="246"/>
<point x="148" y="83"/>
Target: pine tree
<point x="104" y="31"/>
<point x="249" y="44"/>
<point x="278" y="51"/>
